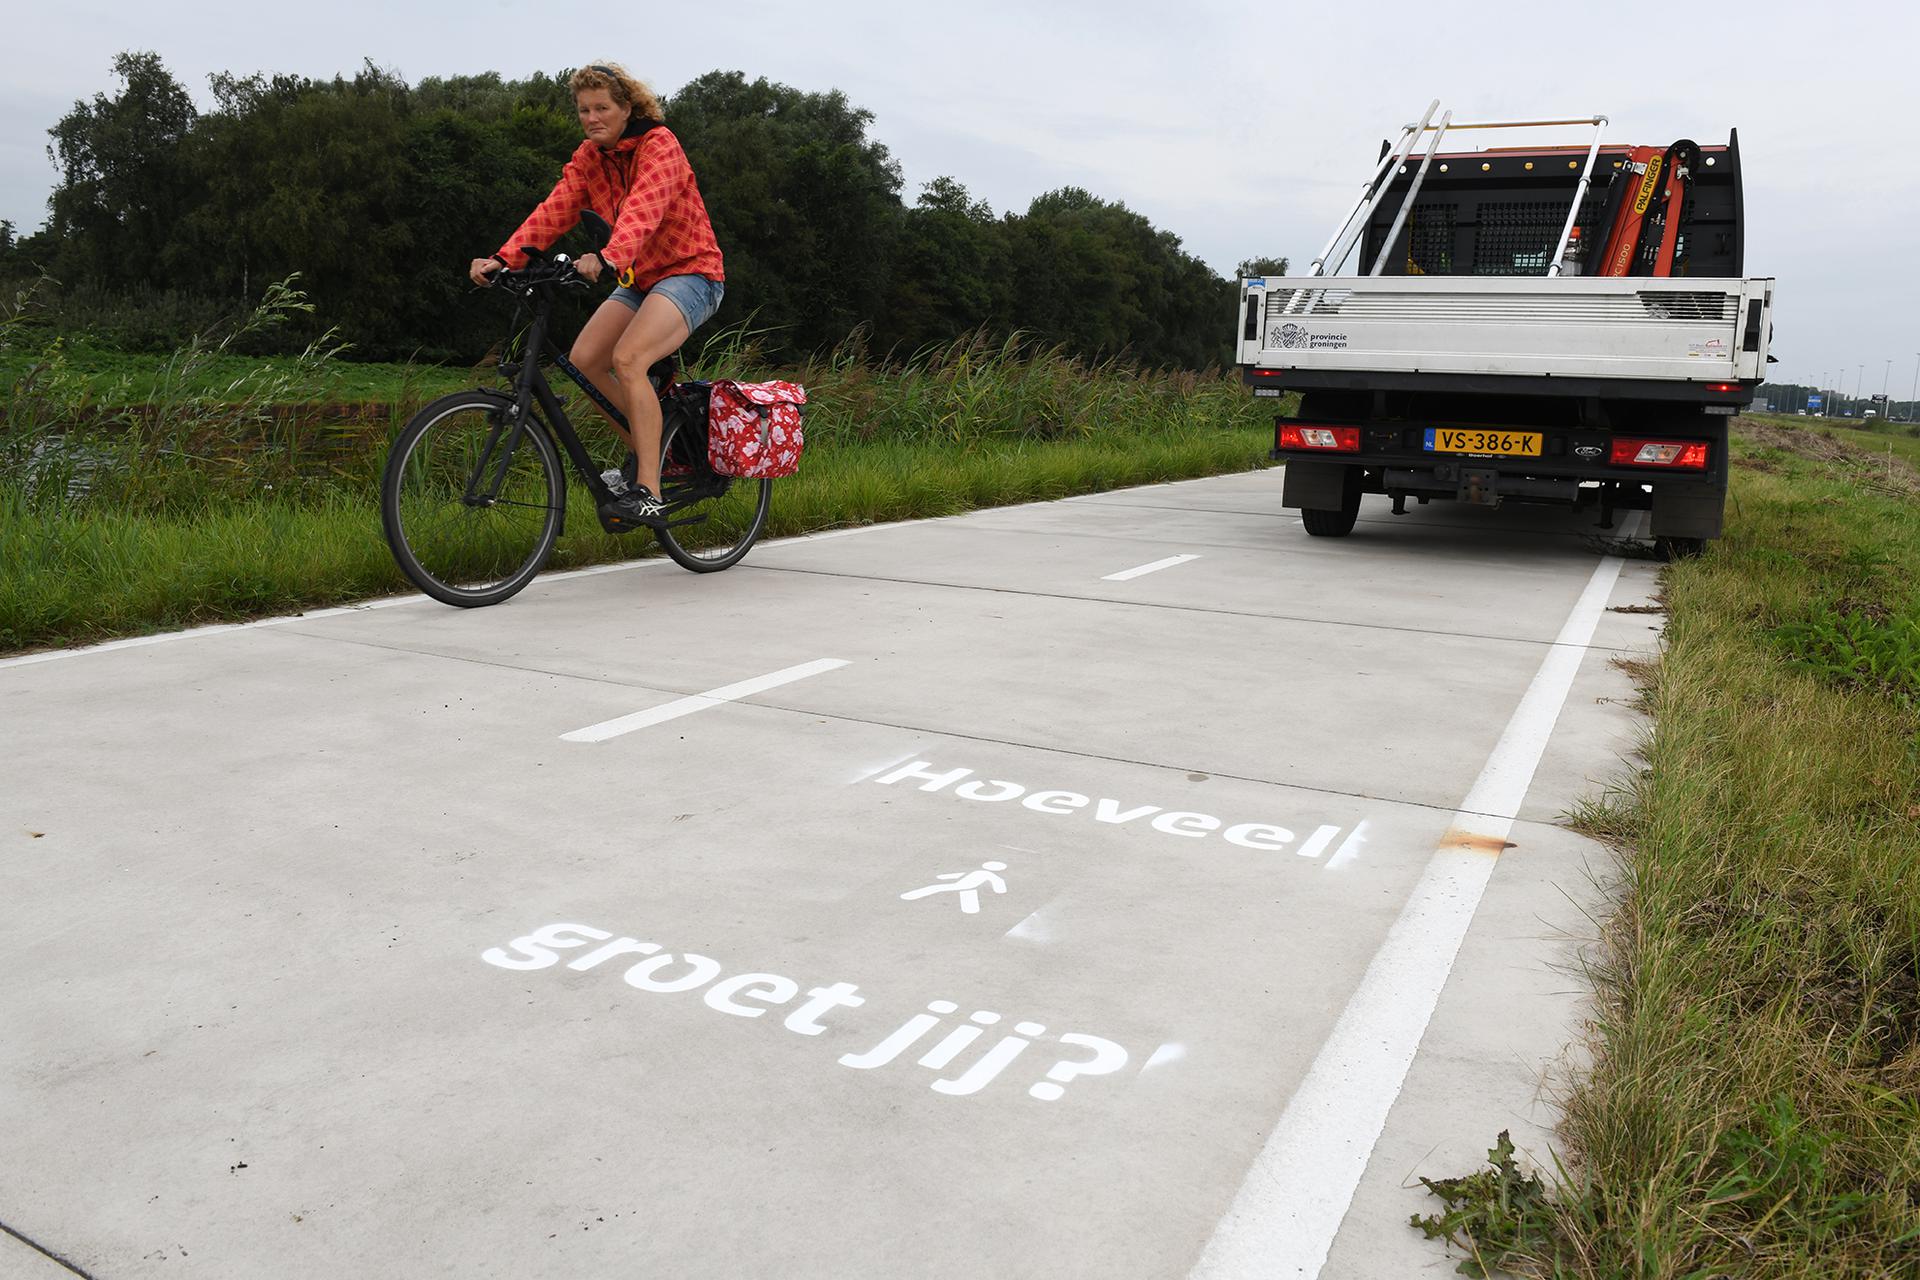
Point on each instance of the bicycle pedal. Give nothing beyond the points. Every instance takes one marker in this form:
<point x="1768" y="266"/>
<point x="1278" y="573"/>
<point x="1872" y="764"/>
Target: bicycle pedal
<point x="613" y="522"/>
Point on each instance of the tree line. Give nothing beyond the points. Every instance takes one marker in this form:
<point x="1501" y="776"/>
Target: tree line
<point x="378" y="192"/>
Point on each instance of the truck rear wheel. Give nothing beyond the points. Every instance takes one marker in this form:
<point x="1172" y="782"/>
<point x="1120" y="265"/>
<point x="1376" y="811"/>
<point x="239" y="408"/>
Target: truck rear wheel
<point x="1337" y="523"/>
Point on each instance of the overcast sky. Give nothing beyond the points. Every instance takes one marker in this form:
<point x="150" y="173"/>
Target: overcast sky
<point x="1244" y="129"/>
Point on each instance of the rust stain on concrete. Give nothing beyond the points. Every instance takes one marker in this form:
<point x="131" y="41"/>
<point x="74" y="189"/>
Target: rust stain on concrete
<point x="1492" y="846"/>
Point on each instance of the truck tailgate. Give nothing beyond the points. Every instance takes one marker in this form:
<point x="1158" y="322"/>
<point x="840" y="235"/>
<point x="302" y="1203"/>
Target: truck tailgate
<point x="1634" y="328"/>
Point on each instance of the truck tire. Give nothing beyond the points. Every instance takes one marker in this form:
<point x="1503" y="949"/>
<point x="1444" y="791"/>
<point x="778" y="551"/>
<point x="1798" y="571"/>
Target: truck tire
<point x="1337" y="523"/>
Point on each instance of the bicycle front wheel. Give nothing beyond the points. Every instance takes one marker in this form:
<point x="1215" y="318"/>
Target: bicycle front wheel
<point x="733" y="509"/>
<point x="471" y="508"/>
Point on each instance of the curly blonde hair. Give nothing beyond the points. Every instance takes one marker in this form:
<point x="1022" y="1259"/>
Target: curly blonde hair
<point x="623" y="88"/>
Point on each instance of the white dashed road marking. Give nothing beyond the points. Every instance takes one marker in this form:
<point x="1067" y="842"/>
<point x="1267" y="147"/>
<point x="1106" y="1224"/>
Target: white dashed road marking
<point x="1143" y="569"/>
<point x="701" y="701"/>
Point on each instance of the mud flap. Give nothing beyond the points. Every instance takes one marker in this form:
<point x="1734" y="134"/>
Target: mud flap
<point x="1319" y="486"/>
<point x="1694" y="511"/>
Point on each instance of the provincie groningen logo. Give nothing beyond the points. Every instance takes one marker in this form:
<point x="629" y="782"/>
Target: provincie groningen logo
<point x="1295" y="337"/>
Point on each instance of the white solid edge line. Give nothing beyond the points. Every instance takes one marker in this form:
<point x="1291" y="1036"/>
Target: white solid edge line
<point x="1142" y="569"/>
<point x="700" y="701"/>
<point x="1289" y="1208"/>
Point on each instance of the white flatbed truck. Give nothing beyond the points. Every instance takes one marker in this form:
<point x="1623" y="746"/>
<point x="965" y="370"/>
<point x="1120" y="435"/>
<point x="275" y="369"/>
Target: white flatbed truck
<point x="1470" y="363"/>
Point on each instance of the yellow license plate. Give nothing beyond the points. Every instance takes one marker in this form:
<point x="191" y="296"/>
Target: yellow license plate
<point x="1506" y="444"/>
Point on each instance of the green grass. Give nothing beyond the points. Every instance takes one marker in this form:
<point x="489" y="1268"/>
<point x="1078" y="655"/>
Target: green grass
<point x="88" y="382"/>
<point x="209" y="510"/>
<point x="85" y="574"/>
<point x="1902" y="439"/>
<point x="1753" y="1106"/>
<point x="1902" y="445"/>
<point x="112" y="378"/>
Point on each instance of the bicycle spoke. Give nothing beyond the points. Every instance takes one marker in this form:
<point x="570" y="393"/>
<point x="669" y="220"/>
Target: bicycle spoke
<point x="459" y="550"/>
<point x="722" y="517"/>
<point x="531" y="506"/>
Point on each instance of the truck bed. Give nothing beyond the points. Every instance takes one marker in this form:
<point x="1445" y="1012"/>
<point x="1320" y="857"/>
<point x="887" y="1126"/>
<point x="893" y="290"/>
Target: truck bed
<point x="1648" y="337"/>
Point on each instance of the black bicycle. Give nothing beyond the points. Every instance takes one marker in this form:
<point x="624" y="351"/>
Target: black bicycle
<point x="473" y="498"/>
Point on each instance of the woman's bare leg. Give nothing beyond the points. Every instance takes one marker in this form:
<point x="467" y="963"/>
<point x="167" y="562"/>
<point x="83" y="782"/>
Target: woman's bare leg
<point x="592" y="352"/>
<point x="657" y="330"/>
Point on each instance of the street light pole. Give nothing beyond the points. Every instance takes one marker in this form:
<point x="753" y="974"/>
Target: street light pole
<point x="1913" y="396"/>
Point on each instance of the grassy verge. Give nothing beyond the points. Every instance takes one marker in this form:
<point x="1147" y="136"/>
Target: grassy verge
<point x="1754" y="1103"/>
<point x="85" y="575"/>
<point x="1902" y="439"/>
<point x="221" y="509"/>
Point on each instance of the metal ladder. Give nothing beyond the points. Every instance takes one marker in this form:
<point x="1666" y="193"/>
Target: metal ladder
<point x="1347" y="234"/>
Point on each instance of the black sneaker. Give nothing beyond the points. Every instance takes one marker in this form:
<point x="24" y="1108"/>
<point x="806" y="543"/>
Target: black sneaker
<point x="638" y="506"/>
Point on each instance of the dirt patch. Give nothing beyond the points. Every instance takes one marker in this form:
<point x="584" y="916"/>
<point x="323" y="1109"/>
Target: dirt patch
<point x="1873" y="611"/>
<point x="1642" y="671"/>
<point x="1885" y="472"/>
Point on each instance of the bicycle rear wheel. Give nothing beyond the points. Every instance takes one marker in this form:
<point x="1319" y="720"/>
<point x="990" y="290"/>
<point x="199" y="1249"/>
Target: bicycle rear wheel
<point x="734" y="509"/>
<point x="471" y="522"/>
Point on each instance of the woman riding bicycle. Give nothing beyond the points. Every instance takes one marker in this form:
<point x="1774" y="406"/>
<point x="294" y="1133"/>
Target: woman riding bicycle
<point x="632" y="172"/>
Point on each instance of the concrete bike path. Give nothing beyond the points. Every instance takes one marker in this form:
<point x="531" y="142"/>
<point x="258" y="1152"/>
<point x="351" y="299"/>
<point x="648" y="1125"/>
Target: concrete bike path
<point x="1017" y="893"/>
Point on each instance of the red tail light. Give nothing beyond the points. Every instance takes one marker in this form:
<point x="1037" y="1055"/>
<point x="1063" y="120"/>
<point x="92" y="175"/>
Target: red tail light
<point x="1723" y="386"/>
<point x="1335" y="439"/>
<point x="1687" y="455"/>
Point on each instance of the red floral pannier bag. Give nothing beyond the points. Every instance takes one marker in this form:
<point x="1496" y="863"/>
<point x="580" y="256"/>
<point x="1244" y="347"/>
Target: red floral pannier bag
<point x="753" y="429"/>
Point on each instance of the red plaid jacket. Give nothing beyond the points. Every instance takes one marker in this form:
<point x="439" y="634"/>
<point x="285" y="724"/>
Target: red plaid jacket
<point x="643" y="186"/>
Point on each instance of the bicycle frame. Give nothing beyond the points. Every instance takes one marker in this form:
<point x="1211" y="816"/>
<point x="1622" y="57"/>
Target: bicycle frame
<point x="531" y="389"/>
<point x="469" y="526"/>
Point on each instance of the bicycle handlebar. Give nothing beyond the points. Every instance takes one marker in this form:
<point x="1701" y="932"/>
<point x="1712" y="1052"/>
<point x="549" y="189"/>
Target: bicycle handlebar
<point x="556" y="270"/>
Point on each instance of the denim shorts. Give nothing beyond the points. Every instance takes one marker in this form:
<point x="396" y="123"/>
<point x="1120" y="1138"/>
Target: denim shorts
<point x="697" y="297"/>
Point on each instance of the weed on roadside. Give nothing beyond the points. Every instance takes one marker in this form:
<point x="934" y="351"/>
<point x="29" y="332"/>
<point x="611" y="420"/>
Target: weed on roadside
<point x="1861" y="645"/>
<point x="1498" y="1217"/>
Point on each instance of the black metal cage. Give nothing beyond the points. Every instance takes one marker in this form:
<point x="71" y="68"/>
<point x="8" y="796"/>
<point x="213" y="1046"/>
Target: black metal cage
<point x="1499" y="213"/>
